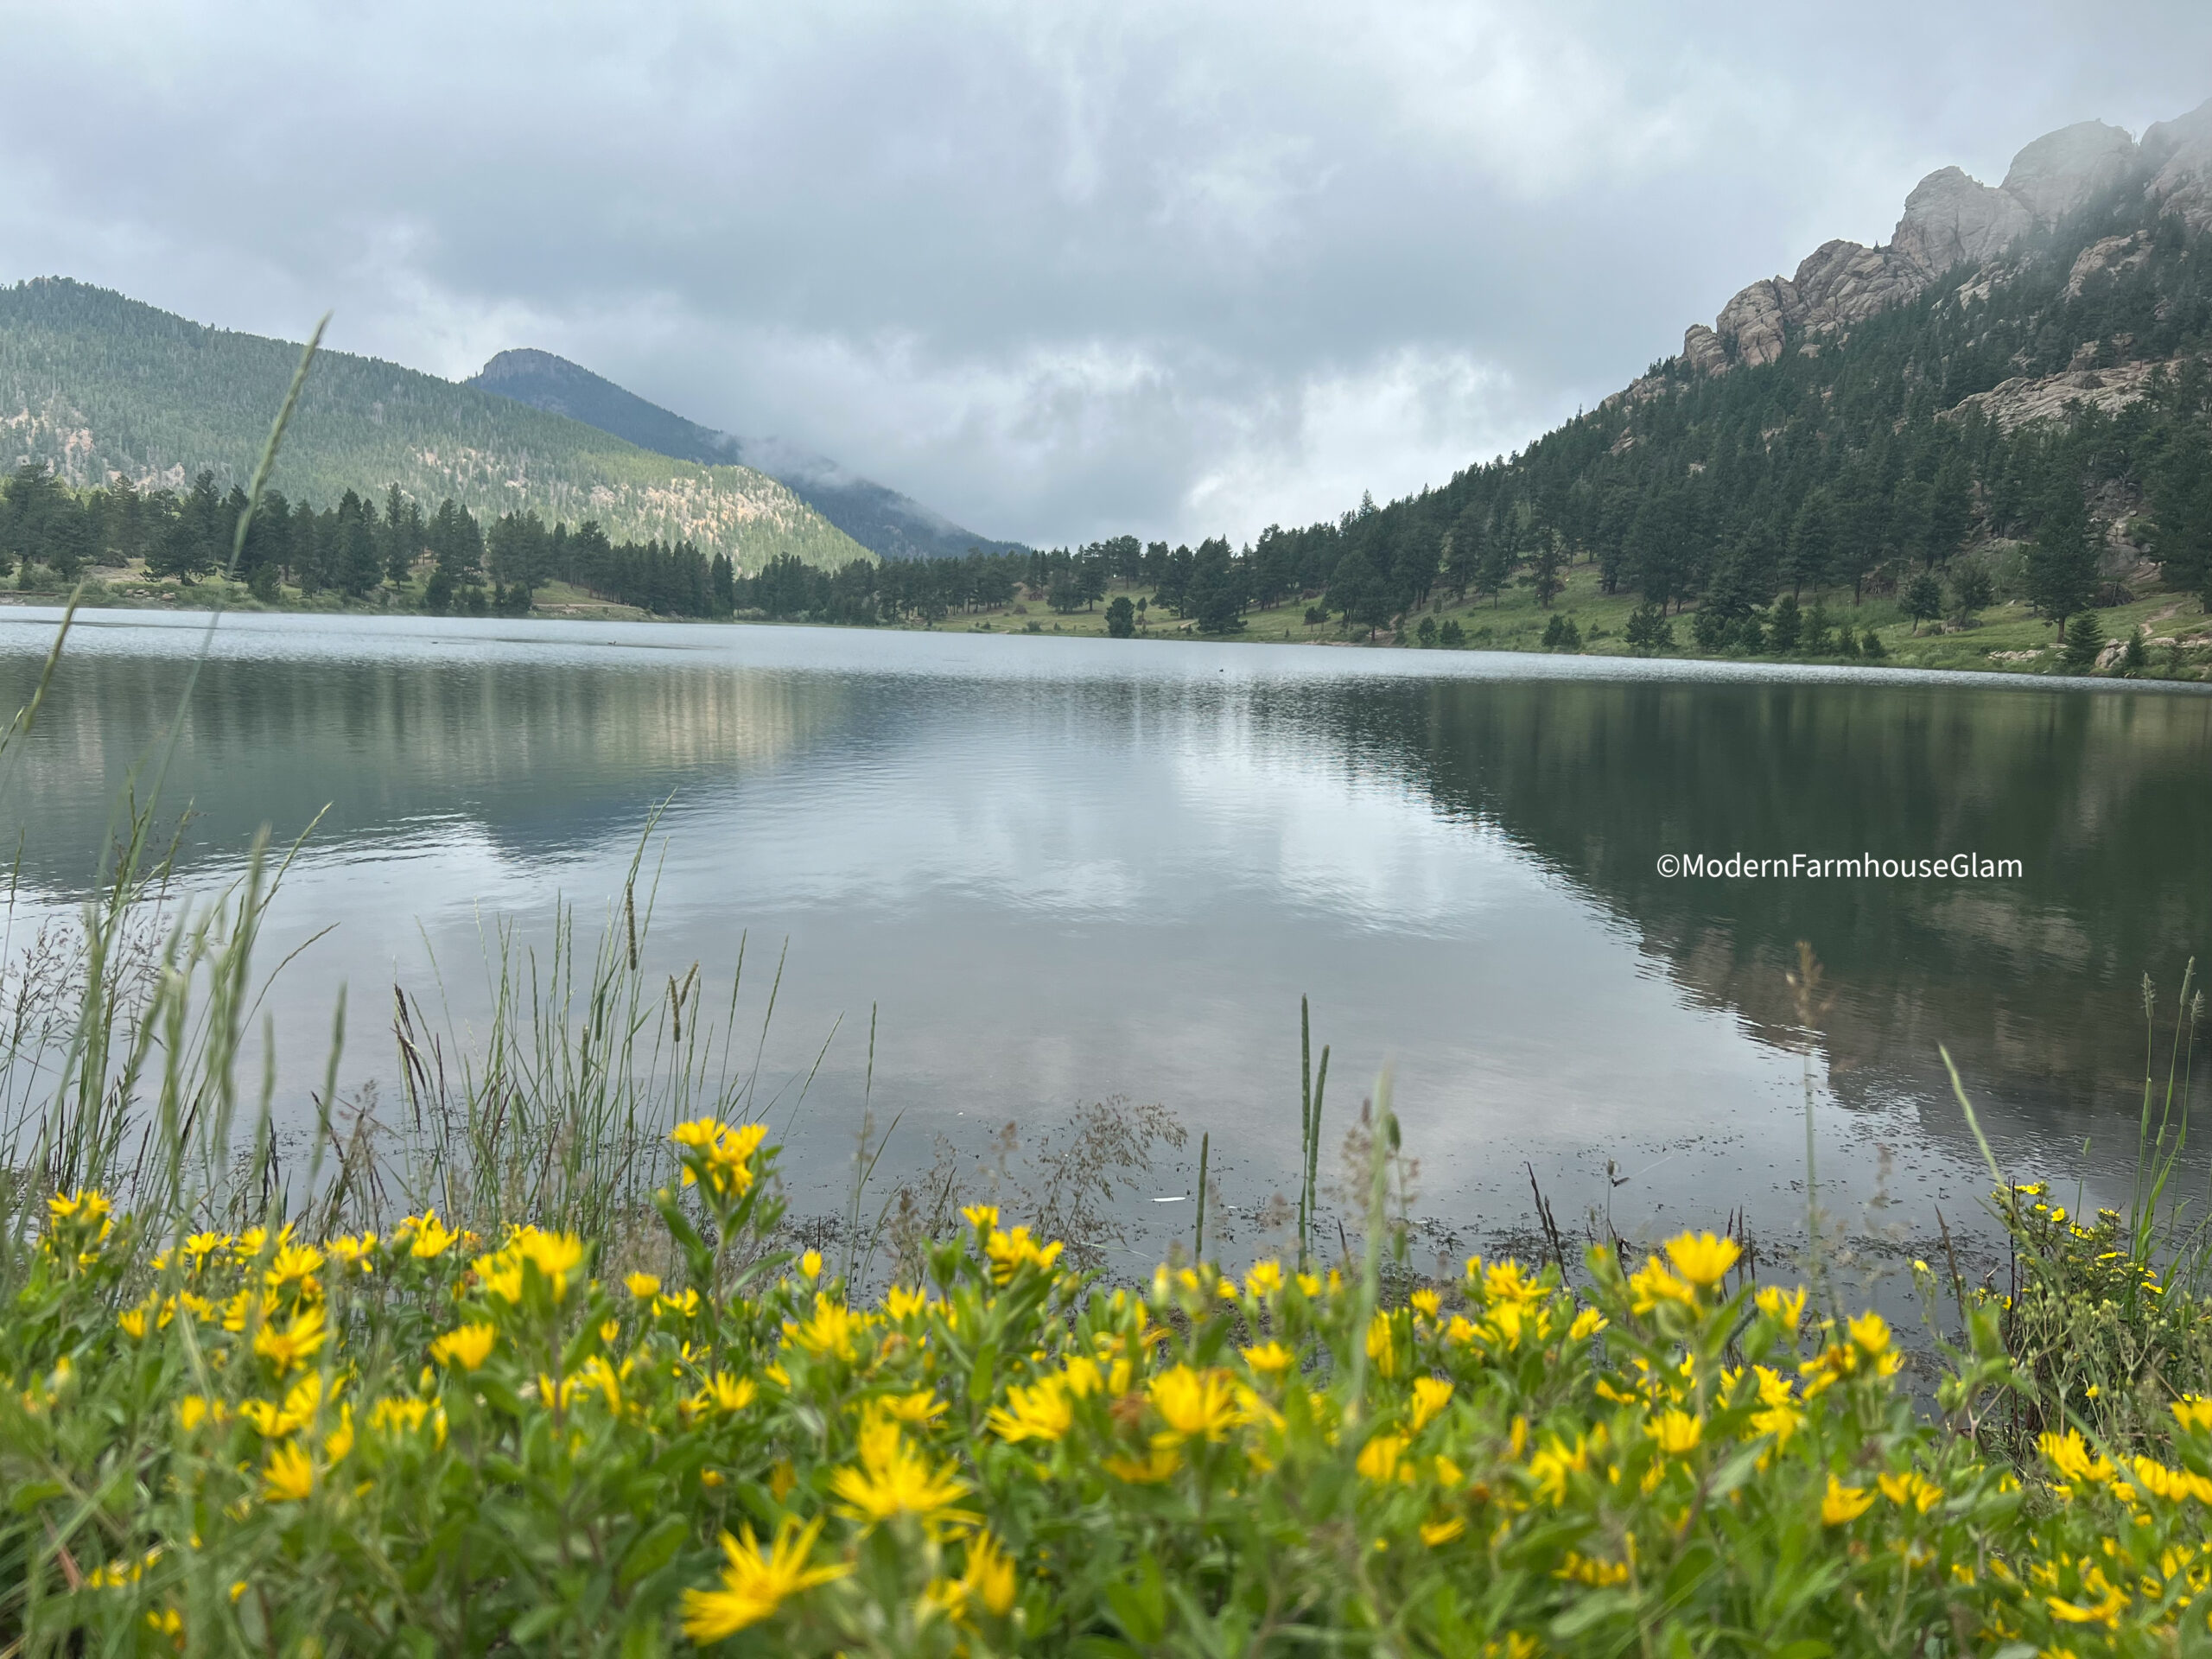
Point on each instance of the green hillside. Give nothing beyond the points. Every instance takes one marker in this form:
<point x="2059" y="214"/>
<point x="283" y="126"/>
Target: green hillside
<point x="2037" y="429"/>
<point x="98" y="385"/>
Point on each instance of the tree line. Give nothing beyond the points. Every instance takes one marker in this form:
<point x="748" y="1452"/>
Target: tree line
<point x="445" y="560"/>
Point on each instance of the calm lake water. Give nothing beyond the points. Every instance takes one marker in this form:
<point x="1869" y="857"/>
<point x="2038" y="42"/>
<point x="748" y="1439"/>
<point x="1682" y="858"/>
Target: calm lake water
<point x="1064" y="870"/>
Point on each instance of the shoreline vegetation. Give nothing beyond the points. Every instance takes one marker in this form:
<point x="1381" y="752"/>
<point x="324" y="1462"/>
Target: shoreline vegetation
<point x="2147" y="634"/>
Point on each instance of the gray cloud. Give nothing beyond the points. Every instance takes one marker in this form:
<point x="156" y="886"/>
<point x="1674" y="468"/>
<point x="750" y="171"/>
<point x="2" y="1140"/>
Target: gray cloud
<point x="1058" y="270"/>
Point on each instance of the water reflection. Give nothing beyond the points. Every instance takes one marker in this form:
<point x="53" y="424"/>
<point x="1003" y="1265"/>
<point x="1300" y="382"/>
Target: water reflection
<point x="1063" y="870"/>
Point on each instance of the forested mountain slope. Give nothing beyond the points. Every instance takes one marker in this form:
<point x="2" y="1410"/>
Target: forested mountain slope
<point x="2020" y="375"/>
<point x="880" y="519"/>
<point x="100" y="386"/>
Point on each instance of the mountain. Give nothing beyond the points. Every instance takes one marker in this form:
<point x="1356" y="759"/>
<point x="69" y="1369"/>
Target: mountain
<point x="1952" y="220"/>
<point x="102" y="386"/>
<point x="2014" y="391"/>
<point x="895" y="525"/>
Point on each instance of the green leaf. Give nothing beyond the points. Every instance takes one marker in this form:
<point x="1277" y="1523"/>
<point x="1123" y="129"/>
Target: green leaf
<point x="535" y="1623"/>
<point x="653" y="1548"/>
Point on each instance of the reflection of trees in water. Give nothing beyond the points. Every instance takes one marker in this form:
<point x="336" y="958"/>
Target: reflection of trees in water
<point x="542" y="755"/>
<point x="2033" y="983"/>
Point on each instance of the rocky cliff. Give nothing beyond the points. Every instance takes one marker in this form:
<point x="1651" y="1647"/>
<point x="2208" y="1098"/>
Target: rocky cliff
<point x="1953" y="223"/>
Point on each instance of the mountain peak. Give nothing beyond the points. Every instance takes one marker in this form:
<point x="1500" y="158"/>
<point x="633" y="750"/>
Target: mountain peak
<point x="1952" y="219"/>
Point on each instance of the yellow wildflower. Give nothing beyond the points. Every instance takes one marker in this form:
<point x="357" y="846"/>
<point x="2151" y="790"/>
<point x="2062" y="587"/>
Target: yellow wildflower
<point x="293" y="1271"/>
<point x="2072" y="1457"/>
<point x="1844" y="1503"/>
<point x="1587" y="1324"/>
<point x="1509" y="1282"/>
<point x="87" y="1206"/>
<point x="1010" y="1252"/>
<point x="468" y="1347"/>
<point x="1702" y="1259"/>
<point x="893" y="1479"/>
<point x="1265" y="1279"/>
<point x="1652" y="1284"/>
<point x="2193" y="1411"/>
<point x="1676" y="1432"/>
<point x="356" y="1250"/>
<point x="426" y="1237"/>
<point x="2110" y="1602"/>
<point x="1584" y="1570"/>
<point x="1162" y="1461"/>
<point x="919" y="1408"/>
<point x="726" y="1393"/>
<point x="293" y="1345"/>
<point x="1195" y="1404"/>
<point x="722" y="1155"/>
<point x="829" y="1334"/>
<point x="1910" y="1490"/>
<point x="1269" y="1359"/>
<point x="642" y="1286"/>
<point x="289" y="1476"/>
<point x="1431" y="1396"/>
<point x="1433" y="1533"/>
<point x="1380" y="1458"/>
<point x="1084" y="1379"/>
<point x="755" y="1584"/>
<point x="1382" y="1345"/>
<point x="989" y="1579"/>
<point x="1785" y="1307"/>
<point x="1551" y="1466"/>
<point x="901" y="1303"/>
<point x="1870" y="1334"/>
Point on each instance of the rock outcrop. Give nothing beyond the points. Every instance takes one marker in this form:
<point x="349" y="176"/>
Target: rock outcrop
<point x="2180" y="151"/>
<point x="2111" y="253"/>
<point x="2021" y="400"/>
<point x="1952" y="220"/>
<point x="2064" y="171"/>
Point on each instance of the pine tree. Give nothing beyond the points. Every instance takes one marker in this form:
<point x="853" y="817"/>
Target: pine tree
<point x="402" y="535"/>
<point x="2084" y="643"/>
<point x="1785" y="625"/>
<point x="1544" y="567"/>
<point x="2062" y="563"/>
<point x="189" y="550"/>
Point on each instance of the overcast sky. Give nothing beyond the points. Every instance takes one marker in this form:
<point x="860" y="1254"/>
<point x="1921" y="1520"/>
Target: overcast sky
<point x="1058" y="269"/>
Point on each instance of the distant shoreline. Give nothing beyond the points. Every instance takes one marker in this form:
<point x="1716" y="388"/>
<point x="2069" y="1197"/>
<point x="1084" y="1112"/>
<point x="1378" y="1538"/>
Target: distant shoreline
<point x="1559" y="663"/>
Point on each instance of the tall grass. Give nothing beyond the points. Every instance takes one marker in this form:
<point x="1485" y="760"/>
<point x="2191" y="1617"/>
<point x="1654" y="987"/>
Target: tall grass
<point x="123" y="1033"/>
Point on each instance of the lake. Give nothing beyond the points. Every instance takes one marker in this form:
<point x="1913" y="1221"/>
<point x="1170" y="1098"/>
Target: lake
<point x="1063" y="871"/>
